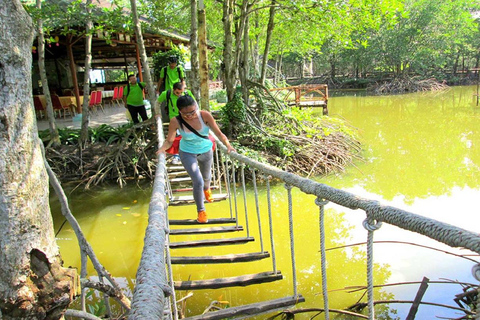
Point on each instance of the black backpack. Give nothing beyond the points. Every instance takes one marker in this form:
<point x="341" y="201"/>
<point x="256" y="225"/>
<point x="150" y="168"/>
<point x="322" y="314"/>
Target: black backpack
<point x="168" y="100"/>
<point x="165" y="75"/>
<point x="128" y="87"/>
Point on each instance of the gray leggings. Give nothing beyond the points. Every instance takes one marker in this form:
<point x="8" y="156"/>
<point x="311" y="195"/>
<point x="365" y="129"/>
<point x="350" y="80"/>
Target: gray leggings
<point x="199" y="168"/>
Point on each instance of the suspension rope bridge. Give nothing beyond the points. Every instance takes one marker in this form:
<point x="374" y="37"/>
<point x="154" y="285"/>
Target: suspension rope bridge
<point x="154" y="296"/>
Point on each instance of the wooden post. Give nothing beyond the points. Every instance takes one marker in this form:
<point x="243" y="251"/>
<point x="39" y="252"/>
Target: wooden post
<point x="203" y="59"/>
<point x="74" y="73"/>
<point x="418" y="299"/>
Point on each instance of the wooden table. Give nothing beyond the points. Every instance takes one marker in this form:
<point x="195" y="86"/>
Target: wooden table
<point x="107" y="93"/>
<point x="66" y="101"/>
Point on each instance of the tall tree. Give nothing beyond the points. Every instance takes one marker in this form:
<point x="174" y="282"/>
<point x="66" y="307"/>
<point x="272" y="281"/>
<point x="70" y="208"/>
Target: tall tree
<point x="55" y="138"/>
<point x="271" y="25"/>
<point x="143" y="55"/>
<point x="194" y="78"/>
<point x="33" y="284"/>
<point x="203" y="56"/>
<point x="86" y="77"/>
<point x="228" y="65"/>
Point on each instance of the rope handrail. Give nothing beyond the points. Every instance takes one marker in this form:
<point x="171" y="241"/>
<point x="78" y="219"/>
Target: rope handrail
<point x="152" y="286"/>
<point x="440" y="231"/>
<point x="151" y="279"/>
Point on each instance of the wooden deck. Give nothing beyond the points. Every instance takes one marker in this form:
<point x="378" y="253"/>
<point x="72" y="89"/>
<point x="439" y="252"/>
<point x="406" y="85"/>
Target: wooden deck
<point x="307" y="95"/>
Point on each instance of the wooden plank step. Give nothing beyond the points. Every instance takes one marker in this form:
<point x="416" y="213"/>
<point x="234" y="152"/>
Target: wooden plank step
<point x="240" y="281"/>
<point x="190" y="189"/>
<point x="250" y="310"/>
<point x="311" y="103"/>
<point x="187" y="222"/>
<point x="206" y="230"/>
<point x="173" y="167"/>
<point x="210" y="242"/>
<point x="228" y="258"/>
<point x="176" y="174"/>
<point x="177" y="200"/>
<point x="180" y="179"/>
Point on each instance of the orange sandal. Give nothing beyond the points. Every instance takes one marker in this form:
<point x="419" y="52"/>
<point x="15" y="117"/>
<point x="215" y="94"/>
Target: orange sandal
<point x="208" y="195"/>
<point x="202" y="217"/>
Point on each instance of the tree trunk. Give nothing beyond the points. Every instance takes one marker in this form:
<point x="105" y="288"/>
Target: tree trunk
<point x="254" y="50"/>
<point x="203" y="57"/>
<point x="228" y="62"/>
<point x="86" y="78"/>
<point x="33" y="284"/>
<point x="245" y="66"/>
<point x="271" y="25"/>
<point x="55" y="138"/>
<point x="239" y="33"/>
<point x="455" y="65"/>
<point x="143" y="54"/>
<point x="333" y="71"/>
<point x="194" y="74"/>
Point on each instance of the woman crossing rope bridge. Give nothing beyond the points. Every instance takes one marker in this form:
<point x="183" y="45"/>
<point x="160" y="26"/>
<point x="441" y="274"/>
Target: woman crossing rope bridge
<point x="195" y="148"/>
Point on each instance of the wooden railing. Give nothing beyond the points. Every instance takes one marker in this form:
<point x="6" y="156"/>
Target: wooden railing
<point x="306" y="95"/>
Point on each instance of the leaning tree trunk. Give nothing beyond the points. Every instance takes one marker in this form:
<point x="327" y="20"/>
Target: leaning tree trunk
<point x="203" y="57"/>
<point x="245" y="66"/>
<point x="55" y="138"/>
<point x="145" y="67"/>
<point x="268" y="40"/>
<point x="194" y="78"/>
<point x="86" y="78"/>
<point x="33" y="284"/>
<point x="228" y="63"/>
<point x="239" y="33"/>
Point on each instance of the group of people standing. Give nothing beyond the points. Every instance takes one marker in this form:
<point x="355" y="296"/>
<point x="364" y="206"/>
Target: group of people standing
<point x="186" y="119"/>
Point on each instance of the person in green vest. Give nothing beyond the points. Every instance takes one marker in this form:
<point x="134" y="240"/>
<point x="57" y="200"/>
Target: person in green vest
<point x="133" y="99"/>
<point x="170" y="97"/>
<point x="170" y="75"/>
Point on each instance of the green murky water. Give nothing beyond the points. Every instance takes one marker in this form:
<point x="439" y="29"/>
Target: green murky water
<point x="422" y="155"/>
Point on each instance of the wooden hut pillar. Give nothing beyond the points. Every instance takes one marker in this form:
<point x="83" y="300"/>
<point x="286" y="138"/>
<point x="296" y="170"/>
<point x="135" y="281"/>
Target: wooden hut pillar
<point x="74" y="73"/>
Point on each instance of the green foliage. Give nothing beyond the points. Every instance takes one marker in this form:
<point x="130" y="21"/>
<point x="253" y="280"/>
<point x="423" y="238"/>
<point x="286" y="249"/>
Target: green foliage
<point x="69" y="17"/>
<point x="97" y="308"/>
<point x="103" y="133"/>
<point x="114" y="75"/>
<point x="221" y="96"/>
<point x="214" y="105"/>
<point x="233" y="114"/>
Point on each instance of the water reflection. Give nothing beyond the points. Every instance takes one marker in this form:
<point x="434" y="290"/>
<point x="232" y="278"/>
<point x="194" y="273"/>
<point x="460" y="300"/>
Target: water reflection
<point x="416" y="145"/>
<point x="422" y="156"/>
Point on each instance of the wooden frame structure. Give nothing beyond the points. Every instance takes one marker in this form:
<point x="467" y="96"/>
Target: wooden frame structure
<point x="109" y="50"/>
<point x="306" y="95"/>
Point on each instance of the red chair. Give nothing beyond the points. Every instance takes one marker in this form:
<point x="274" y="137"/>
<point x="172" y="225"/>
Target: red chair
<point x="98" y="100"/>
<point x="92" y="100"/>
<point x="120" y="96"/>
<point x="57" y="106"/>
<point x="39" y="109"/>
<point x="115" y="95"/>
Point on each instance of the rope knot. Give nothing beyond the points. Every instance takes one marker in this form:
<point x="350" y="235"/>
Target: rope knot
<point x="288" y="187"/>
<point x="320" y="202"/>
<point x="371" y="225"/>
